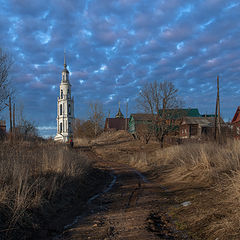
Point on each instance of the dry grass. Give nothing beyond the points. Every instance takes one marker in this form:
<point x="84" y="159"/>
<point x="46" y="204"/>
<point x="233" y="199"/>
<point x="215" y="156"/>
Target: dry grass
<point x="32" y="175"/>
<point x="112" y="137"/>
<point x="208" y="166"/>
<point x="81" y="142"/>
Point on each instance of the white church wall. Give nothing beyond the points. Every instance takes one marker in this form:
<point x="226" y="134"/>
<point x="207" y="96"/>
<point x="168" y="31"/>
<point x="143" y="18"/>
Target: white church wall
<point x="65" y="108"/>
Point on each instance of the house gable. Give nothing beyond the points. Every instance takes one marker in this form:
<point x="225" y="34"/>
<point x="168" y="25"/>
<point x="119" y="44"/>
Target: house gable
<point x="236" y="117"/>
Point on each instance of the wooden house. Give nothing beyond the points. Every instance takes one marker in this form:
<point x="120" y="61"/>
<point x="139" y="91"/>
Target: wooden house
<point x="137" y="120"/>
<point x="174" y="117"/>
<point x="235" y="123"/>
<point x="197" y="127"/>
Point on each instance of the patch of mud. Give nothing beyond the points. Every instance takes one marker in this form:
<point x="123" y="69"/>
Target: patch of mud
<point x="162" y="226"/>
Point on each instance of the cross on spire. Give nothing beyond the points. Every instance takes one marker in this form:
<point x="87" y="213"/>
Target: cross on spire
<point x="65" y="65"/>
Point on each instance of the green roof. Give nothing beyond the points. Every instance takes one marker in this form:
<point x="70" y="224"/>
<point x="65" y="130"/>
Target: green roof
<point x="180" y="113"/>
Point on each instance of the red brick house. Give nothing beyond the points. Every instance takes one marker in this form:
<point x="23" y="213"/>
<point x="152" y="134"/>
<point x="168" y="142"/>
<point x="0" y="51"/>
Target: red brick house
<point x="117" y="123"/>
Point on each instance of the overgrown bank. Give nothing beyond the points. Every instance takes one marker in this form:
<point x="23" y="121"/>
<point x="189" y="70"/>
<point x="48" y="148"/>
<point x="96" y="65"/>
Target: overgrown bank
<point x="40" y="183"/>
<point x="201" y="182"/>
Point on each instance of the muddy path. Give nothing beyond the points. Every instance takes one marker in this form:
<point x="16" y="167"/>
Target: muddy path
<point x="127" y="208"/>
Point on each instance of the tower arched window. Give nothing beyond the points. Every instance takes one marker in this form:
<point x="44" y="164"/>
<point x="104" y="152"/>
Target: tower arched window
<point x="69" y="109"/>
<point x="61" y="94"/>
<point x="60" y="109"/>
<point x="68" y="93"/>
<point x="60" y="127"/>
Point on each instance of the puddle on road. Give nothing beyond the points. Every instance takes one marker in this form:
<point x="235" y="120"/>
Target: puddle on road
<point x="104" y="191"/>
<point x="185" y="204"/>
<point x="141" y="176"/>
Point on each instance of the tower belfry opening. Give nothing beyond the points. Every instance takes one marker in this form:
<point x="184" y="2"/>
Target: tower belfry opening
<point x="65" y="108"/>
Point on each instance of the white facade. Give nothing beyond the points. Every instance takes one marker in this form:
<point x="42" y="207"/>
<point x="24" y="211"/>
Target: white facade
<point x="65" y="108"/>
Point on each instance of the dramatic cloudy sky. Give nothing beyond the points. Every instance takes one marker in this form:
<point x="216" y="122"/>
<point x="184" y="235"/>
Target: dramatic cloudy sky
<point x="114" y="46"/>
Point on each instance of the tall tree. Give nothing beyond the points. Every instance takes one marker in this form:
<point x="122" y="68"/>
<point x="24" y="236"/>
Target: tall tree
<point x="5" y="89"/>
<point x="24" y="128"/>
<point x="96" y="116"/>
<point x="157" y="98"/>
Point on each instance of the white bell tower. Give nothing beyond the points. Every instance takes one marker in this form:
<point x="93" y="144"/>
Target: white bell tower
<point x="65" y="108"/>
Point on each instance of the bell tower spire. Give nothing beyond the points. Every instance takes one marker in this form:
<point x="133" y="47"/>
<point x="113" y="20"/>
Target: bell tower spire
<point x="65" y="65"/>
<point x="65" y="72"/>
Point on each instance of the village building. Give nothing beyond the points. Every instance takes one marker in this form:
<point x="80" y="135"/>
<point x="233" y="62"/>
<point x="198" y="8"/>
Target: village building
<point x="117" y="123"/>
<point x="139" y="121"/>
<point x="174" y="117"/>
<point x="235" y="123"/>
<point x="65" y="108"/>
<point x="198" y="127"/>
<point x="2" y="129"/>
<point x="144" y="122"/>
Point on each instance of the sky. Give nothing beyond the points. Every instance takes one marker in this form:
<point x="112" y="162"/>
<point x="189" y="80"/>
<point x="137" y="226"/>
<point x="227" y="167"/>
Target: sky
<point x="114" y="46"/>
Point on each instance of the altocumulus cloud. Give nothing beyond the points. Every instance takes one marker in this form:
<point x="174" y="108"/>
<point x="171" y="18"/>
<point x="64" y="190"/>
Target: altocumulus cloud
<point x="113" y="47"/>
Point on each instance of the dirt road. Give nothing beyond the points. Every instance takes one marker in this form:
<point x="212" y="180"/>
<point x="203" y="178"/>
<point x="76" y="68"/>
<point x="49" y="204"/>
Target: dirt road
<point x="127" y="208"/>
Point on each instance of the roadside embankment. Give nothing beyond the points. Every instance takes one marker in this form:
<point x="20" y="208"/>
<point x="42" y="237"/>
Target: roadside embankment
<point x="43" y="186"/>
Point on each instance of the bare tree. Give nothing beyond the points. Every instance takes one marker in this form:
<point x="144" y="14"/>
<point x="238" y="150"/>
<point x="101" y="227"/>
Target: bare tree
<point x="5" y="89"/>
<point x="144" y="132"/>
<point x="157" y="98"/>
<point x="96" y="116"/>
<point x="25" y="128"/>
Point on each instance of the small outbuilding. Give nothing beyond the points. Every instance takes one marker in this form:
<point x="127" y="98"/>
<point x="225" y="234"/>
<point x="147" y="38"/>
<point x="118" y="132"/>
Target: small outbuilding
<point x="196" y="127"/>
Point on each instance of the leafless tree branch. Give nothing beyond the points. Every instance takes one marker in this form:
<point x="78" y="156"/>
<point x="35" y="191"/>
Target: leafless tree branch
<point x="5" y="89"/>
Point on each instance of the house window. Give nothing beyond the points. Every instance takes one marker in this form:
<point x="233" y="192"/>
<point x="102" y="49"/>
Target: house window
<point x="60" y="109"/>
<point x="61" y="94"/>
<point x="69" y="109"/>
<point x="60" y="127"/>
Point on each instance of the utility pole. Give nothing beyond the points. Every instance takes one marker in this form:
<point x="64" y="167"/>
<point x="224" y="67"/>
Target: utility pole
<point x="126" y="119"/>
<point x="217" y="130"/>
<point x="108" y="120"/>
<point x="10" y="114"/>
<point x="14" y="119"/>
